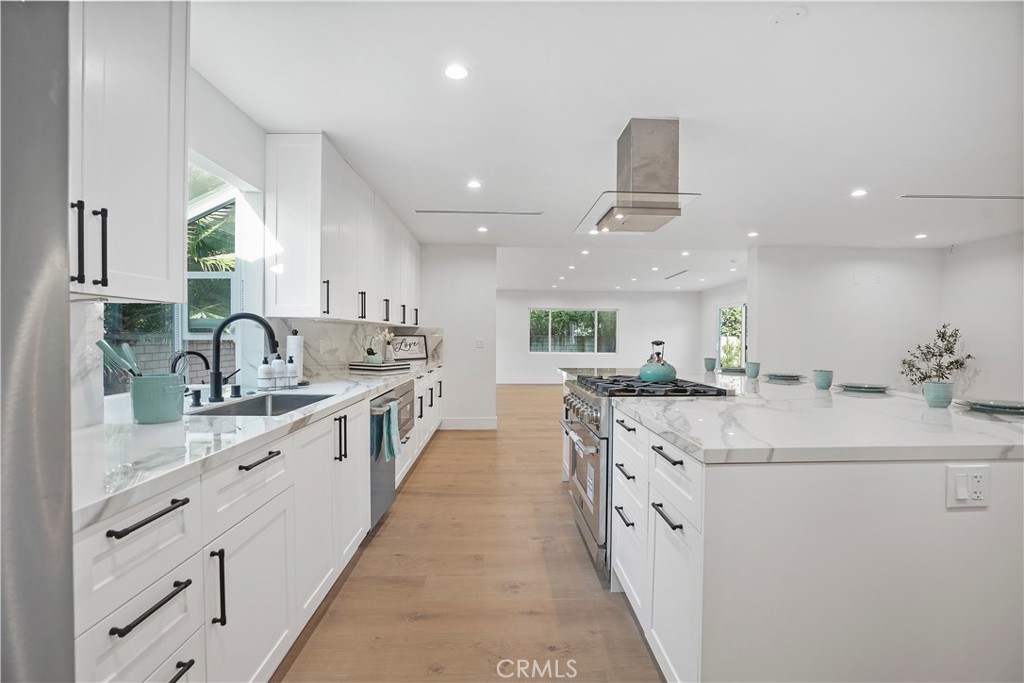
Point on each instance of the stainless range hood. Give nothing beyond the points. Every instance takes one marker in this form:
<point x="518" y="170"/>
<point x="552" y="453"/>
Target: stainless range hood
<point x="647" y="194"/>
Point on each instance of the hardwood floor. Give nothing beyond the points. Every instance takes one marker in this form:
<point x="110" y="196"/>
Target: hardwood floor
<point x="478" y="561"/>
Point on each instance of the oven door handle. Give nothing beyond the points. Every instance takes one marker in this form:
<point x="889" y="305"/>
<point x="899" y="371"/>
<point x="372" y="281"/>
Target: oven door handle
<point x="578" y="440"/>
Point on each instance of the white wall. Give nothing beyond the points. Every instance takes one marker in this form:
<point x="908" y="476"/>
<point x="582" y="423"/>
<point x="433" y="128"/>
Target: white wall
<point x="855" y="311"/>
<point x="457" y="293"/>
<point x="710" y="301"/>
<point x="983" y="296"/>
<point x="224" y="135"/>
<point x="642" y="317"/>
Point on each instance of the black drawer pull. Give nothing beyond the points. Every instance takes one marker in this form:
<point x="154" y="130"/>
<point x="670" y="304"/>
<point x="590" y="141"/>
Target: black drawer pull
<point x="420" y="399"/>
<point x="431" y="390"/>
<point x="440" y="387"/>
<point x="327" y="291"/>
<point x="626" y="474"/>
<point x="362" y="305"/>
<point x="672" y="525"/>
<point x="79" y="207"/>
<point x="271" y="454"/>
<point x="403" y="313"/>
<point x="184" y="667"/>
<point x="179" y="586"/>
<point x="387" y="310"/>
<point x="406" y="439"/>
<point x="223" y="618"/>
<point x="618" y="508"/>
<point x="103" y="281"/>
<point x="121" y="533"/>
<point x="625" y="426"/>
<point x="342" y="437"/>
<point x="661" y="451"/>
<point x="415" y="316"/>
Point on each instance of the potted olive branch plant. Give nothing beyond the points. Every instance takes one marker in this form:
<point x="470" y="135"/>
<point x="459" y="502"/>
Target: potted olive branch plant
<point x="933" y="364"/>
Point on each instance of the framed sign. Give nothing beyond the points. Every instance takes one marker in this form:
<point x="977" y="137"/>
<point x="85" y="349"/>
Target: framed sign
<point x="410" y="347"/>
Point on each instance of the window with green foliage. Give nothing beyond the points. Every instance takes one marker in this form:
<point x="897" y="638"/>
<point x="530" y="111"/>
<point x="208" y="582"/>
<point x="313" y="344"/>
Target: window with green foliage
<point x="570" y="331"/>
<point x="732" y="336"/>
<point x="212" y="278"/>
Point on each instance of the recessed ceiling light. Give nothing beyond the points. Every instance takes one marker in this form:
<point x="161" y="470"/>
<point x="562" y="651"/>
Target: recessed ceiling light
<point x="604" y="229"/>
<point x="572" y="267"/>
<point x="554" y="286"/>
<point x="593" y="232"/>
<point x="481" y="229"/>
<point x="584" y="252"/>
<point x="751" y="234"/>
<point x="859" y="192"/>
<point x="632" y="279"/>
<point x="456" y="72"/>
<point x="685" y="253"/>
<point x="920" y="237"/>
<point x="678" y="287"/>
<point x="619" y="216"/>
<point x="473" y="184"/>
<point x="617" y="287"/>
<point x="654" y="268"/>
<point x="732" y="270"/>
<point x="561" y="277"/>
<point x="702" y="279"/>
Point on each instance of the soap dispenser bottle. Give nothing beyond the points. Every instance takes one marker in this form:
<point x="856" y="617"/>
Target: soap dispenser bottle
<point x="291" y="371"/>
<point x="264" y="376"/>
<point x="278" y="370"/>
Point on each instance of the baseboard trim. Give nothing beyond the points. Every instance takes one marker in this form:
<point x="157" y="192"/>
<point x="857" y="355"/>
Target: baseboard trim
<point x="470" y="423"/>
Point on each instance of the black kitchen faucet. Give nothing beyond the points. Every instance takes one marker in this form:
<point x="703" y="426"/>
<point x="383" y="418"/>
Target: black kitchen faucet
<point x="216" y="396"/>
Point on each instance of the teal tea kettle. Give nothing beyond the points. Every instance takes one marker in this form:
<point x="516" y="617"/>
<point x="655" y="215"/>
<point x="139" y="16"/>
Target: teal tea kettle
<point x="656" y="369"/>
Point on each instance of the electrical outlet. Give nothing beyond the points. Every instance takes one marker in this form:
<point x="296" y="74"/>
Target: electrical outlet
<point x="967" y="486"/>
<point x="479" y="343"/>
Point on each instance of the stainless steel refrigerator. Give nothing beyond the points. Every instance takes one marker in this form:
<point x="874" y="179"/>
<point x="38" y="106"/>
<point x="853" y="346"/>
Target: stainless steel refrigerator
<point x="36" y="595"/>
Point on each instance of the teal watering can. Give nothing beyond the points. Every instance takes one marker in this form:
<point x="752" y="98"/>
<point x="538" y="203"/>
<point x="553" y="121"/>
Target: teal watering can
<point x="656" y="369"/>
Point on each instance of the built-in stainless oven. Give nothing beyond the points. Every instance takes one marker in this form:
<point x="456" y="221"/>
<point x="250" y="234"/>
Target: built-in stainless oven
<point x="382" y="470"/>
<point x="588" y="471"/>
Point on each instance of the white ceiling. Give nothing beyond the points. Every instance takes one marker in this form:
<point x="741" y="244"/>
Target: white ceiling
<point x="778" y="122"/>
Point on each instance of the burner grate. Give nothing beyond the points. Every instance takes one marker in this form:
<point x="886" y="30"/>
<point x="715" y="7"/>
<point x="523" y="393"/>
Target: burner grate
<point x="623" y="385"/>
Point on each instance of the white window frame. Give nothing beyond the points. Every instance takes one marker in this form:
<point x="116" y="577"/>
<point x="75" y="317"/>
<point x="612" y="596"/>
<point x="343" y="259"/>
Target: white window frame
<point x="205" y="205"/>
<point x="595" y="311"/>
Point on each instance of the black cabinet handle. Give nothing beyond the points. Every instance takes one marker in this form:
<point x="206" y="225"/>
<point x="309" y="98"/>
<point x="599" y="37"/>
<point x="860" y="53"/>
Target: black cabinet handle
<point x="672" y="525"/>
<point x="183" y="669"/>
<point x="622" y="423"/>
<point x="121" y="533"/>
<point x="415" y="316"/>
<point x="342" y="437"/>
<point x="661" y="451"/>
<point x="403" y="313"/>
<point x="327" y="288"/>
<point x="223" y="618"/>
<point x="431" y="390"/>
<point x="406" y="439"/>
<point x="618" y="508"/>
<point x="387" y="310"/>
<point x="420" y="399"/>
<point x="179" y="586"/>
<point x="270" y="455"/>
<point x="626" y="474"/>
<point x="362" y="305"/>
<point x="79" y="207"/>
<point x="102" y="282"/>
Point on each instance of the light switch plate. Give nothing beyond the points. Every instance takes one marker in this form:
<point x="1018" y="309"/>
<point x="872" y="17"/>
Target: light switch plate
<point x="967" y="486"/>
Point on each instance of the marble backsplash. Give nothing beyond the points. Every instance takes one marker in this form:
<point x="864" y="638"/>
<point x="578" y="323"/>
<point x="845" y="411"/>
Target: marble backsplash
<point x="328" y="347"/>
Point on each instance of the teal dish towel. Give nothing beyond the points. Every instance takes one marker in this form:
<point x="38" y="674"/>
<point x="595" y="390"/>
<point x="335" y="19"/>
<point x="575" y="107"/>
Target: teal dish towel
<point x="392" y="440"/>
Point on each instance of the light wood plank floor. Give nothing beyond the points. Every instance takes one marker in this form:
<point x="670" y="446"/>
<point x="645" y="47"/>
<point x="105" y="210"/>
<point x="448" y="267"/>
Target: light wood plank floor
<point x="479" y="560"/>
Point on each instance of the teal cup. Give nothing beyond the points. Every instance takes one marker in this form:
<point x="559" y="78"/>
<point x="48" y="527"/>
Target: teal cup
<point x="753" y="368"/>
<point x="822" y="379"/>
<point x="157" y="398"/>
<point x="709" y="363"/>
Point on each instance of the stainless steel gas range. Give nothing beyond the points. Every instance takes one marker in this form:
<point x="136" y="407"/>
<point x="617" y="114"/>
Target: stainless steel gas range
<point x="588" y="424"/>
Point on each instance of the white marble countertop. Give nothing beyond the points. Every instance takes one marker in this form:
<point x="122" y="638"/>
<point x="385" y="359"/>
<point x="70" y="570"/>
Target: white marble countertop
<point x="767" y="422"/>
<point x="118" y="464"/>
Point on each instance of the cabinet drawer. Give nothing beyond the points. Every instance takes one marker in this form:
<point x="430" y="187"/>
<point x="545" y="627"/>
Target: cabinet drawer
<point x="189" y="663"/>
<point x="236" y="489"/>
<point x="153" y="625"/>
<point x="678" y="477"/>
<point x="629" y="431"/>
<point x="630" y="493"/>
<point x="161" y="533"/>
<point x="629" y="551"/>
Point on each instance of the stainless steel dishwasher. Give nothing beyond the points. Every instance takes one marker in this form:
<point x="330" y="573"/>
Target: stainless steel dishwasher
<point x="382" y="471"/>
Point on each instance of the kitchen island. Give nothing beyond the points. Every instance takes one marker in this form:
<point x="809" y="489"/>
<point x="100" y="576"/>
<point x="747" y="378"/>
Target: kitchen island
<point x="787" y="533"/>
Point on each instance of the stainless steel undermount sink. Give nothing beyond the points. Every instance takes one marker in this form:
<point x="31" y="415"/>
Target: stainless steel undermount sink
<point x="264" y="405"/>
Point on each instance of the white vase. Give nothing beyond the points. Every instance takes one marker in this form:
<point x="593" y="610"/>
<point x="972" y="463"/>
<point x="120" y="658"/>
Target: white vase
<point x="389" y="354"/>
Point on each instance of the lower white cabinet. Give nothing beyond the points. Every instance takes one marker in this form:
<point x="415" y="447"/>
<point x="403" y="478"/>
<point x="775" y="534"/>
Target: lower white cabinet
<point x="186" y="665"/>
<point x="250" y="605"/>
<point x="350" y="480"/>
<point x="675" y="552"/>
<point x="133" y="640"/>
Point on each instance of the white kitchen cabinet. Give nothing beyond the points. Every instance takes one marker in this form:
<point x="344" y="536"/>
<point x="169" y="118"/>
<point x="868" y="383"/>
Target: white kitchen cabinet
<point x="675" y="555"/>
<point x="127" y="149"/>
<point x="631" y="572"/>
<point x="333" y="249"/>
<point x="186" y="665"/>
<point x="350" y="480"/>
<point x="250" y="582"/>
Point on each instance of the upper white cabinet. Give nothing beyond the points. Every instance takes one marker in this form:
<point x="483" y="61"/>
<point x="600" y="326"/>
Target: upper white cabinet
<point x="334" y="249"/>
<point x="127" y="149"/>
